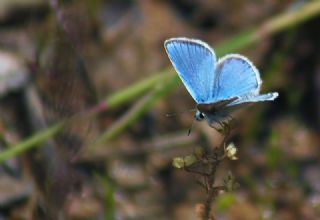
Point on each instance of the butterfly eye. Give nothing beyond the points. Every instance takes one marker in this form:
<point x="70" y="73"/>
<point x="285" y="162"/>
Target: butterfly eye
<point x="199" y="116"/>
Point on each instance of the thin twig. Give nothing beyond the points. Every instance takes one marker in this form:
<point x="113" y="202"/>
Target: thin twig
<point x="211" y="194"/>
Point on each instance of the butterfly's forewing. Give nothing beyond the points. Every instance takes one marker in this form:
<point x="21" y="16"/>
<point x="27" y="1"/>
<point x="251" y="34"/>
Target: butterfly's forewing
<point x="235" y="76"/>
<point x="195" y="62"/>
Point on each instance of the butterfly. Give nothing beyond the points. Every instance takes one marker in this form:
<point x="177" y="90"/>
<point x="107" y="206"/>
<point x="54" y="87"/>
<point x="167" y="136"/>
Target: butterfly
<point x="219" y="87"/>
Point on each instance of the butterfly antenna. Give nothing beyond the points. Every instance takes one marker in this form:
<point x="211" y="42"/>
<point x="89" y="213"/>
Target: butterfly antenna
<point x="190" y="129"/>
<point x="182" y="112"/>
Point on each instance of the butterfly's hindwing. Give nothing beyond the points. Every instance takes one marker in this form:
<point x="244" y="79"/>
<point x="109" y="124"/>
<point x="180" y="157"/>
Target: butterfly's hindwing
<point x="247" y="99"/>
<point x="235" y="76"/>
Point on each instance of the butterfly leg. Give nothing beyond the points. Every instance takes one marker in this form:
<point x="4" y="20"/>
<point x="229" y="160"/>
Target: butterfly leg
<point x="226" y="124"/>
<point x="211" y="124"/>
<point x="221" y="128"/>
<point x="224" y="127"/>
<point x="230" y="118"/>
<point x="231" y="121"/>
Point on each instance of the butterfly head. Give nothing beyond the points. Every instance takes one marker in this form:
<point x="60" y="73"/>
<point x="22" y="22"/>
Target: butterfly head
<point x="199" y="116"/>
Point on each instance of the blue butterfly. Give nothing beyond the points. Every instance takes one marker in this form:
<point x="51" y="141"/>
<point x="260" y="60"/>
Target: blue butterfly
<point x="218" y="87"/>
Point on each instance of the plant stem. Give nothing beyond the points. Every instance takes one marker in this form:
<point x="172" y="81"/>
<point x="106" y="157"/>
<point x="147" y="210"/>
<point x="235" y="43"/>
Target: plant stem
<point x="218" y="156"/>
<point x="211" y="194"/>
<point x="35" y="140"/>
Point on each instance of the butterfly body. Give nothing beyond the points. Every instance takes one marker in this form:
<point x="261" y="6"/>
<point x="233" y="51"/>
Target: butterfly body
<point x="213" y="112"/>
<point x="218" y="87"/>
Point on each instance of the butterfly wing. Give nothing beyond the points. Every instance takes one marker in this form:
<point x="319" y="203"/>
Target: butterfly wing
<point x="194" y="62"/>
<point x="248" y="99"/>
<point x="235" y="75"/>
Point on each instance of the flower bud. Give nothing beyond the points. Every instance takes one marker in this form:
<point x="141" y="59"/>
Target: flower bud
<point x="178" y="162"/>
<point x="189" y="160"/>
<point x="231" y="151"/>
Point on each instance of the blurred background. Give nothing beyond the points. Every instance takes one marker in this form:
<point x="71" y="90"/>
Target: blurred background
<point x="99" y="67"/>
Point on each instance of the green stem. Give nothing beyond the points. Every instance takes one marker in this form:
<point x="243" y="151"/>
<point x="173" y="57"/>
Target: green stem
<point x="142" y="106"/>
<point x="289" y="19"/>
<point x="136" y="89"/>
<point x="35" y="140"/>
